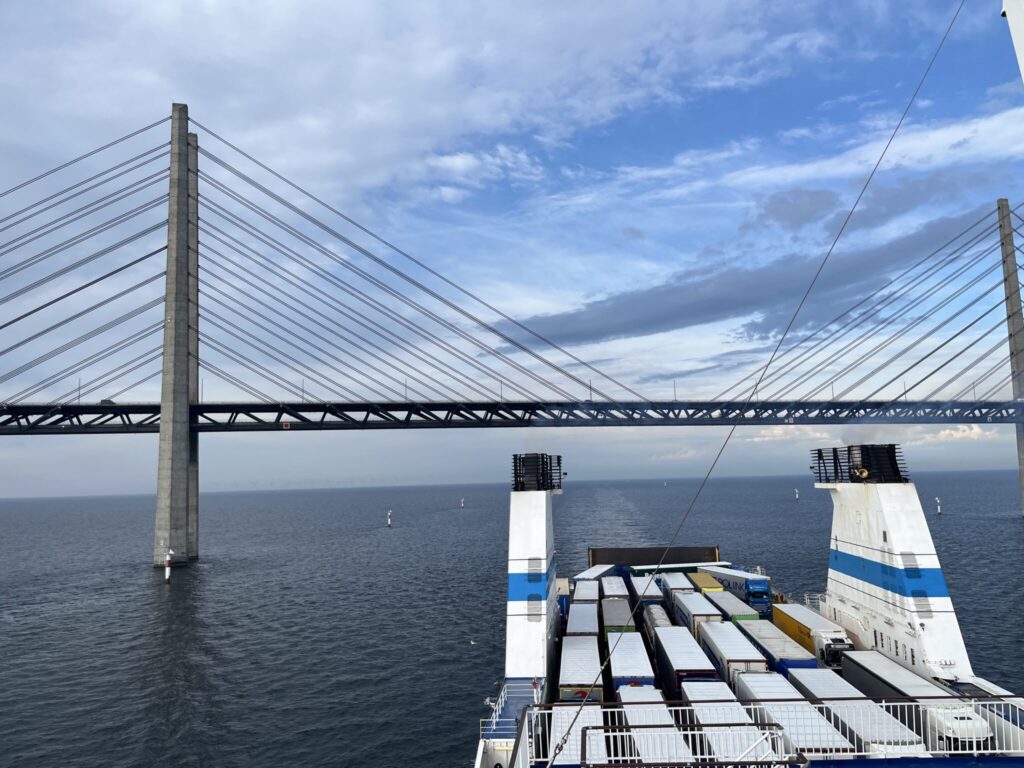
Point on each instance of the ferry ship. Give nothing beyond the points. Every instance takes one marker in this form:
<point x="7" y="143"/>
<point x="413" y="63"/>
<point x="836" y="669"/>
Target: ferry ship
<point x="675" y="657"/>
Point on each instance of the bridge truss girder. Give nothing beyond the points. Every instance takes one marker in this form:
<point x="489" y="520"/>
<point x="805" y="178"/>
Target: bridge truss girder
<point x="92" y="418"/>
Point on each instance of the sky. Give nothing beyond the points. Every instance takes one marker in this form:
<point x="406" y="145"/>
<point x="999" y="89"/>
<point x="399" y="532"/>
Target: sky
<point x="651" y="189"/>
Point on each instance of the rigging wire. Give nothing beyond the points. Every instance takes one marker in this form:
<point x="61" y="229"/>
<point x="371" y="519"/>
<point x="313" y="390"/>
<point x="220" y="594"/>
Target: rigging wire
<point x="782" y="338"/>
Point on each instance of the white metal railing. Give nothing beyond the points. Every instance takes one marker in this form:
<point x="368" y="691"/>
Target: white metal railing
<point x="778" y="732"/>
<point x="505" y="727"/>
<point x="813" y="600"/>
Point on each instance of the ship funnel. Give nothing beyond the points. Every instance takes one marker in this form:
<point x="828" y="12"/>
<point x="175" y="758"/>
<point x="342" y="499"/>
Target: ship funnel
<point x="885" y="584"/>
<point x="532" y="611"/>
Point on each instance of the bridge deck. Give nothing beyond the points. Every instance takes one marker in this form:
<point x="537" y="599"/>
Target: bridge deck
<point x="112" y="418"/>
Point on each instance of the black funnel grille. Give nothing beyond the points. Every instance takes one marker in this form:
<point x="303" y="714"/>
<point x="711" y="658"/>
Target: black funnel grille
<point x="536" y="472"/>
<point x="859" y="464"/>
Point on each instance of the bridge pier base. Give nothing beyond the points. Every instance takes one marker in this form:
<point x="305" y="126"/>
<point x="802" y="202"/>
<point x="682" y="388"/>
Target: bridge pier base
<point x="177" y="490"/>
<point x="1014" y="324"/>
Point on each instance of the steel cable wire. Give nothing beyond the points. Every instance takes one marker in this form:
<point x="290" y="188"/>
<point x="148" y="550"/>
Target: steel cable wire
<point x="308" y="332"/>
<point x="84" y="363"/>
<point x="69" y="163"/>
<point x="277" y="355"/>
<point x="83" y="261"/>
<point x="80" y="238"/>
<point x="381" y="285"/>
<point x="913" y="345"/>
<point x="80" y="288"/>
<point x="78" y="214"/>
<point x="81" y="313"/>
<point x="334" y="303"/>
<point x="81" y="192"/>
<point x="886" y="301"/>
<point x="368" y="300"/>
<point x="290" y="302"/>
<point x="80" y="339"/>
<point x="880" y="291"/>
<point x="882" y="324"/>
<point x="892" y="338"/>
<point x="508" y="318"/>
<point x="255" y="367"/>
<point x="212" y="292"/>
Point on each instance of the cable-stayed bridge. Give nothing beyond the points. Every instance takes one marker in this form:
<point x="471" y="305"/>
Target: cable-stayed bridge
<point x="136" y="273"/>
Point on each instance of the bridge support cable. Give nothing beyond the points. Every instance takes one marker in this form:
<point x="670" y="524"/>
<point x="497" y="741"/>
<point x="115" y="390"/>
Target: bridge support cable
<point x="303" y="310"/>
<point x="895" y="305"/>
<point x="81" y="313"/>
<point x="870" y="339"/>
<point x="972" y="388"/>
<point x="80" y="288"/>
<point x="279" y="356"/>
<point x="80" y="238"/>
<point x="869" y="335"/>
<point x="54" y="225"/>
<point x="903" y="350"/>
<point x="260" y="344"/>
<point x="402" y="297"/>
<point x="112" y="375"/>
<point x="40" y="207"/>
<point x="117" y="321"/>
<point x="303" y="339"/>
<point x="411" y="280"/>
<point x="234" y="381"/>
<point x="81" y="157"/>
<point x="985" y="355"/>
<point x="372" y="303"/>
<point x="84" y="363"/>
<point x="391" y="246"/>
<point x="877" y="300"/>
<point x="273" y="377"/>
<point x="937" y="349"/>
<point x="349" y="312"/>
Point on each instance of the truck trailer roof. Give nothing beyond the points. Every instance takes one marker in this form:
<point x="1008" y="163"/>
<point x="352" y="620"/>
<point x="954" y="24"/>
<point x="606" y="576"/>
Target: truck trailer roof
<point x="629" y="655"/>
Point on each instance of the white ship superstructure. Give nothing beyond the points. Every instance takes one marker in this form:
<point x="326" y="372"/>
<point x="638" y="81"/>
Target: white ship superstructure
<point x="880" y="672"/>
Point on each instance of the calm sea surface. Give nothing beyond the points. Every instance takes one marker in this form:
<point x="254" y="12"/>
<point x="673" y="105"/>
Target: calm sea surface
<point x="310" y="634"/>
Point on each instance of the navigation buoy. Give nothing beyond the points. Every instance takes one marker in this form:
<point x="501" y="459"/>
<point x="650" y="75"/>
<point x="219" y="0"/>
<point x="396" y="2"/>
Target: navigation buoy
<point x="389" y="518"/>
<point x="167" y="566"/>
<point x="938" y="505"/>
<point x="796" y="492"/>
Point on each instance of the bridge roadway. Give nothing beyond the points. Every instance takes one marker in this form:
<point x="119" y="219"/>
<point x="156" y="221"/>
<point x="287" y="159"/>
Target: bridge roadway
<point x="120" y="418"/>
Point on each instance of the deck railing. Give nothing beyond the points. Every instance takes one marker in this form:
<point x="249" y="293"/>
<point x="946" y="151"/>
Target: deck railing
<point x="777" y="732"/>
<point x="502" y="723"/>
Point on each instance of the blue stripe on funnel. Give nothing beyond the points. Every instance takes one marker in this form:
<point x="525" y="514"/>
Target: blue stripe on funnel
<point x="908" y="582"/>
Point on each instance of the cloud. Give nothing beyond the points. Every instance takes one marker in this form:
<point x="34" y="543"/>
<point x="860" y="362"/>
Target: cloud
<point x="786" y="434"/>
<point x="761" y="296"/>
<point x="795" y="209"/>
<point x="961" y="433"/>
